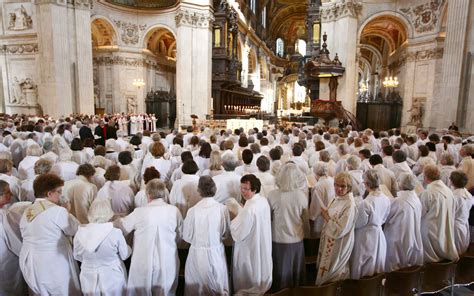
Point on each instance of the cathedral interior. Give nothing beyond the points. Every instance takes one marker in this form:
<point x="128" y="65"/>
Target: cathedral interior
<point x="378" y="64"/>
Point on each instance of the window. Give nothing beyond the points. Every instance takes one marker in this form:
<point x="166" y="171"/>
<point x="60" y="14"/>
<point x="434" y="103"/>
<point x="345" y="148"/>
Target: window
<point x="300" y="47"/>
<point x="264" y="17"/>
<point x="280" y="51"/>
<point x="253" y="5"/>
<point x="217" y="36"/>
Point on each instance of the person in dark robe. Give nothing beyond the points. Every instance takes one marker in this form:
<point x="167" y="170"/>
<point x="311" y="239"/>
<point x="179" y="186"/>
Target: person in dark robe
<point x="100" y="131"/>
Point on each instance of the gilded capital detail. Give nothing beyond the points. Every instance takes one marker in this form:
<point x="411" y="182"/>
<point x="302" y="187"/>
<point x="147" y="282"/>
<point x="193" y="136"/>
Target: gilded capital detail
<point x="337" y="10"/>
<point x="193" y="19"/>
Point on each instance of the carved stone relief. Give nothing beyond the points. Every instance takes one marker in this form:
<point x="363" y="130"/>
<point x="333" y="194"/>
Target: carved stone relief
<point x="19" y="49"/>
<point x="23" y="92"/>
<point x="130" y="32"/>
<point x="19" y="19"/>
<point x="338" y="10"/>
<point x="194" y="19"/>
<point x="424" y="17"/>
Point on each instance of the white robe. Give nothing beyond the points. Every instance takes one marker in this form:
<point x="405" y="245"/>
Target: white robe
<point x="184" y="193"/>
<point x="155" y="263"/>
<point x="463" y="201"/>
<point x="399" y="168"/>
<point x="252" y="259"/>
<point x="11" y="279"/>
<point x="46" y="258"/>
<point x="358" y="187"/>
<point x="80" y="193"/>
<point x="15" y="187"/>
<point x="101" y="249"/>
<point x="65" y="169"/>
<point x="205" y="227"/>
<point x="437" y="223"/>
<point x="387" y="178"/>
<point x="321" y="196"/>
<point x="370" y="248"/>
<point x="228" y="186"/>
<point x="403" y="233"/>
<point x="121" y="196"/>
<point x="268" y="182"/>
<point x="26" y="167"/>
<point x="337" y="240"/>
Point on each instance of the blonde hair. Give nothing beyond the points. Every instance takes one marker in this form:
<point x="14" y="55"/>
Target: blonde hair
<point x="100" y="211"/>
<point x="290" y="177"/>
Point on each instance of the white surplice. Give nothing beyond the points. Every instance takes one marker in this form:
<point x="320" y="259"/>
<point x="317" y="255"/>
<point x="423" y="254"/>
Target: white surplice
<point x="463" y="201"/>
<point x="337" y="240"/>
<point x="370" y="248"/>
<point x="46" y="258"/>
<point x="437" y="223"/>
<point x="101" y="248"/>
<point x="80" y="193"/>
<point x="399" y="168"/>
<point x="11" y="278"/>
<point x="387" y="178"/>
<point x="26" y="167"/>
<point x="184" y="193"/>
<point x="403" y="233"/>
<point x="268" y="182"/>
<point x="65" y="169"/>
<point x="121" y="196"/>
<point x="155" y="264"/>
<point x="252" y="258"/>
<point x="228" y="186"/>
<point x="321" y="196"/>
<point x="205" y="227"/>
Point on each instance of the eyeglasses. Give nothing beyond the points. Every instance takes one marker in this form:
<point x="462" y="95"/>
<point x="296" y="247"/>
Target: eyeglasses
<point x="342" y="186"/>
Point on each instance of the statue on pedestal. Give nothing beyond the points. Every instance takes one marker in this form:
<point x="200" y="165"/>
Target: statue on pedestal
<point x="416" y="112"/>
<point x="19" y="19"/>
<point x="23" y="92"/>
<point x="131" y="105"/>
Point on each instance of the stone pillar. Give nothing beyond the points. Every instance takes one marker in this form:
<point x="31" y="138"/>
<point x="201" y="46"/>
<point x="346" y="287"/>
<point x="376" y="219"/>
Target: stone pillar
<point x="445" y="106"/>
<point x="65" y="57"/>
<point x="193" y="60"/>
<point x="340" y="22"/>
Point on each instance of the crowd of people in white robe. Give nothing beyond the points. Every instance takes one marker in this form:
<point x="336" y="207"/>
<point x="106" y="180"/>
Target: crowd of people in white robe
<point x="379" y="202"/>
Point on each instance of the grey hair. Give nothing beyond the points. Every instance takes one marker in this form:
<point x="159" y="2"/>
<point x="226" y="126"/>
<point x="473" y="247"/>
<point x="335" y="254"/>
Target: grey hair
<point x="285" y="139"/>
<point x="176" y="150"/>
<point x="206" y="186"/>
<point x="321" y="169"/>
<point x="290" y="177"/>
<point x="343" y="148"/>
<point x="34" y="150"/>
<point x="43" y="166"/>
<point x="48" y="146"/>
<point x="372" y="179"/>
<point x="6" y="155"/>
<point x="354" y="162"/>
<point x="229" y="161"/>
<point x="156" y="189"/>
<point x="98" y="161"/>
<point x="407" y="181"/>
<point x="100" y="211"/>
<point x="156" y="137"/>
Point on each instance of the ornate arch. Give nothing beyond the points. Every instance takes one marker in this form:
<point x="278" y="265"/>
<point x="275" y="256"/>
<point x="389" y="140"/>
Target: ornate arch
<point x="103" y="31"/>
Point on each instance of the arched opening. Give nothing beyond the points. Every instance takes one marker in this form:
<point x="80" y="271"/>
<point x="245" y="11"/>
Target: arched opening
<point x="104" y="42"/>
<point x="280" y="48"/>
<point x="160" y="49"/>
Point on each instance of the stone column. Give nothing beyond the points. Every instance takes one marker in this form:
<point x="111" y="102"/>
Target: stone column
<point x="445" y="106"/>
<point x="65" y="57"/>
<point x="193" y="60"/>
<point x="340" y="21"/>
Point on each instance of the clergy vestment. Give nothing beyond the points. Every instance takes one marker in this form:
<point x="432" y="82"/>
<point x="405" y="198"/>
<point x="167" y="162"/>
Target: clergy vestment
<point x="205" y="227"/>
<point x="268" y="182"/>
<point x="228" y="186"/>
<point x="80" y="193"/>
<point x="321" y="196"/>
<point x="403" y="233"/>
<point x="387" y="178"/>
<point x="463" y="201"/>
<point x="437" y="223"/>
<point x="11" y="278"/>
<point x="155" y="264"/>
<point x="101" y="248"/>
<point x="121" y="196"/>
<point x="65" y="169"/>
<point x="337" y="240"/>
<point x="252" y="259"/>
<point x="370" y="248"/>
<point x="46" y="257"/>
<point x="184" y="193"/>
<point x="26" y="167"/>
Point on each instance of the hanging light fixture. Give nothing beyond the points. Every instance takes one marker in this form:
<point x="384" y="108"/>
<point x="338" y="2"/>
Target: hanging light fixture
<point x="390" y="82"/>
<point x="138" y="83"/>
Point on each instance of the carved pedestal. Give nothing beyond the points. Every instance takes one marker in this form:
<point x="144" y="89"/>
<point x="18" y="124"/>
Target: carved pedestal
<point x="23" y="109"/>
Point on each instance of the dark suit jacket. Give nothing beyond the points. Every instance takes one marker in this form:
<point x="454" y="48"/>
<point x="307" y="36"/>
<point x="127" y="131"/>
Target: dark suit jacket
<point x="85" y="132"/>
<point x="100" y="133"/>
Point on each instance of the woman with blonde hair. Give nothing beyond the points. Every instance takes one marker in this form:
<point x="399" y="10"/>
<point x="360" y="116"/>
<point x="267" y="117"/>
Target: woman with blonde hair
<point x="101" y="248"/>
<point x="337" y="235"/>
<point x="215" y="165"/>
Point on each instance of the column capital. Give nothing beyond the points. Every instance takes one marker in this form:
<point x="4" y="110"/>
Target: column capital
<point x="337" y="10"/>
<point x="192" y="18"/>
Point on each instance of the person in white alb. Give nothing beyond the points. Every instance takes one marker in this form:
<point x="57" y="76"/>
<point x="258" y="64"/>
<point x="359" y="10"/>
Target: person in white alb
<point x="370" y="248"/>
<point x="252" y="233"/>
<point x="206" y="225"/>
<point x="463" y="201"/>
<point x="157" y="229"/>
<point x="437" y="218"/>
<point x="101" y="248"/>
<point x="403" y="227"/>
